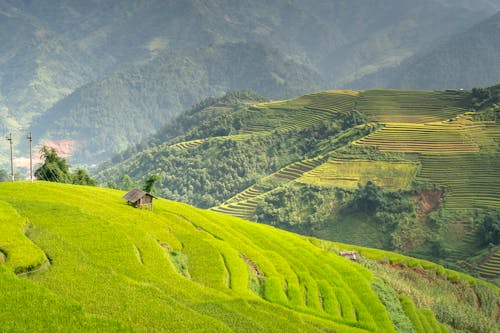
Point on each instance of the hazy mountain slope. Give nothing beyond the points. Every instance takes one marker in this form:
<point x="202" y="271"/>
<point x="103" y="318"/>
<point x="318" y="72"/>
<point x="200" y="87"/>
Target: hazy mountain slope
<point x="58" y="46"/>
<point x="466" y="60"/>
<point x="36" y="68"/>
<point x="470" y="59"/>
<point x="102" y="35"/>
<point x="106" y="116"/>
<point x="113" y="268"/>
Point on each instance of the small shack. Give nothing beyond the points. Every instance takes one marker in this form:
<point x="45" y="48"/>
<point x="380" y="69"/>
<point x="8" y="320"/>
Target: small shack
<point x="351" y="255"/>
<point x="139" y="199"/>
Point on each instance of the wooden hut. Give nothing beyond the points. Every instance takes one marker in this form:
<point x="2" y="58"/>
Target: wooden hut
<point x="139" y="199"/>
<point x="351" y="255"/>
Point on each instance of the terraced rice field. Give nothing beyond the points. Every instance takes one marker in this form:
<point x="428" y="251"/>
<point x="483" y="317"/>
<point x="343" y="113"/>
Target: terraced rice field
<point x="348" y="173"/>
<point x="411" y="106"/>
<point x="188" y="144"/>
<point x="471" y="180"/>
<point x="298" y="113"/>
<point x="176" y="269"/>
<point x="439" y="137"/>
<point x="490" y="268"/>
<point x="244" y="204"/>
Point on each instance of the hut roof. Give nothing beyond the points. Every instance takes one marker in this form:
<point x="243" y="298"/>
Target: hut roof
<point x="135" y="194"/>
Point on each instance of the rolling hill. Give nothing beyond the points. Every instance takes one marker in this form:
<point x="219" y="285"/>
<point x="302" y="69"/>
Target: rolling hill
<point x="411" y="171"/>
<point x="94" y="263"/>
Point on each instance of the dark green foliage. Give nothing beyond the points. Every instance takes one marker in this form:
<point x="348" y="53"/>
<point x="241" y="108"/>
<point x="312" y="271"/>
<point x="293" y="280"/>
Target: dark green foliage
<point x="368" y="198"/>
<point x="489" y="230"/>
<point x="56" y="169"/>
<point x="149" y="185"/>
<point x="81" y="177"/>
<point x="388" y="207"/>
<point x="300" y="208"/>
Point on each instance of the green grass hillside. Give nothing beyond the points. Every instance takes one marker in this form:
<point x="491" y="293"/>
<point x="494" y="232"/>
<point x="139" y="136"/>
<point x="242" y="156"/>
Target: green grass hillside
<point x="87" y="261"/>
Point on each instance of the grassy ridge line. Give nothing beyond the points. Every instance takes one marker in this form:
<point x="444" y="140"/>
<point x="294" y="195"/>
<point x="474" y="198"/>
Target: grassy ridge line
<point x="112" y="255"/>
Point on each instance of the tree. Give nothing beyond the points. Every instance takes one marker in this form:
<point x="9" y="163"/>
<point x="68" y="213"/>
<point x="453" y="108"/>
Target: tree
<point x="369" y="197"/>
<point x="489" y="230"/>
<point x="149" y="185"/>
<point x="126" y="183"/>
<point x="81" y="177"/>
<point x="54" y="168"/>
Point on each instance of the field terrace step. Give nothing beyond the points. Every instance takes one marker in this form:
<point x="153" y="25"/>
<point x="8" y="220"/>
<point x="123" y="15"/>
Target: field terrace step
<point x="244" y="204"/>
<point x="188" y="144"/>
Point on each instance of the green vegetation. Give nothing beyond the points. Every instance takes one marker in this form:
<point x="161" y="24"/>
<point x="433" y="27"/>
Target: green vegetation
<point x="177" y="268"/>
<point x="350" y="173"/>
<point x="330" y="165"/>
<point x="91" y="235"/>
<point x="55" y="169"/>
<point x="238" y="146"/>
<point x="107" y="116"/>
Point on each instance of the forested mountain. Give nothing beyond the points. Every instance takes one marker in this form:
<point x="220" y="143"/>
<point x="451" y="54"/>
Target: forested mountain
<point x="412" y="171"/>
<point x="466" y="60"/>
<point x="106" y="116"/>
<point x="55" y="47"/>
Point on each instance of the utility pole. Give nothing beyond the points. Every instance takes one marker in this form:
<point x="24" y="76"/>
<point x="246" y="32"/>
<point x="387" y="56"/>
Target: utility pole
<point x="9" y="138"/>
<point x="30" y="138"/>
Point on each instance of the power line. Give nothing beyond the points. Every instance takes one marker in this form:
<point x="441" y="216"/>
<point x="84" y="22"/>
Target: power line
<point x="9" y="138"/>
<point x="30" y="138"/>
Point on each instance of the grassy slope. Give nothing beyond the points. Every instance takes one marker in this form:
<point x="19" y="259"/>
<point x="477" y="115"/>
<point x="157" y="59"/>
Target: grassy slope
<point x="110" y="268"/>
<point x="116" y="268"/>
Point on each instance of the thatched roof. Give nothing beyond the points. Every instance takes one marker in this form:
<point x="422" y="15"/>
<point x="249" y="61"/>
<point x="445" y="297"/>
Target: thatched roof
<point x="135" y="194"/>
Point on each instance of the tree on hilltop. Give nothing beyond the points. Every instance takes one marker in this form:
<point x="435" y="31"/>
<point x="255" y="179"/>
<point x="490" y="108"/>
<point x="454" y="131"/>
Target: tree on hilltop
<point x="56" y="169"/>
<point x="149" y="185"/>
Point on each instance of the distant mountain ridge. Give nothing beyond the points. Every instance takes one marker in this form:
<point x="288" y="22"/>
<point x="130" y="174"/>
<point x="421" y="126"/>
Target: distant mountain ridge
<point x="55" y="47"/>
<point x="106" y="116"/>
<point x="466" y="60"/>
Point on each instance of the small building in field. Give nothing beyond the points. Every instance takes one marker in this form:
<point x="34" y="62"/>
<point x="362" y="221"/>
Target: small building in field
<point x="351" y="255"/>
<point x="139" y="199"/>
